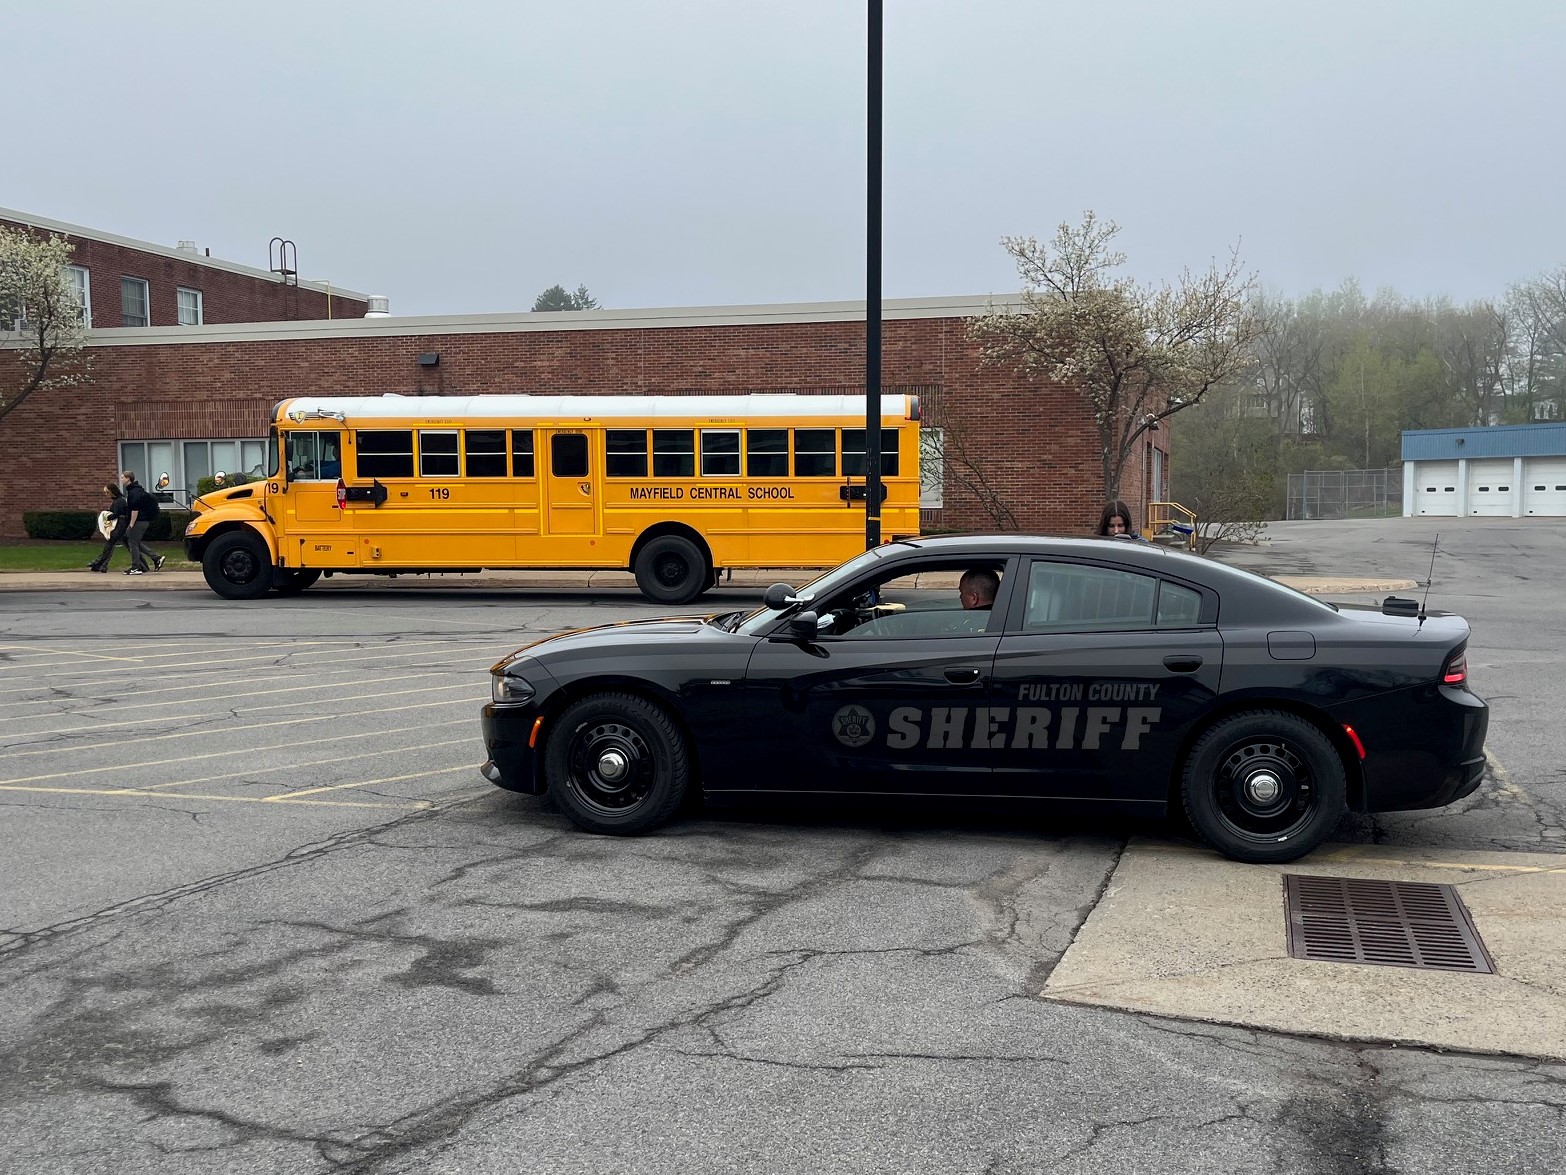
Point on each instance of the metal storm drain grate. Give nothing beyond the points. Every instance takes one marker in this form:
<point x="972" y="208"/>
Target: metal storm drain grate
<point x="1389" y="923"/>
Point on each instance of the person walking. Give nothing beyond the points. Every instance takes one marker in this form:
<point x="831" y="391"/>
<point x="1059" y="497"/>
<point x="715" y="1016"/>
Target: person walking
<point x="119" y="512"/>
<point x="143" y="511"/>
<point x="1115" y="523"/>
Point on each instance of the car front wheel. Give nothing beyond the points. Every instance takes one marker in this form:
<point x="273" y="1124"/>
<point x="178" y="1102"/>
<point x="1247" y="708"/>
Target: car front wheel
<point x="1264" y="786"/>
<point x="616" y="763"/>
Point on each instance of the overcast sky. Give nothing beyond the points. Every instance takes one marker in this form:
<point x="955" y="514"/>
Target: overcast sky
<point x="462" y="156"/>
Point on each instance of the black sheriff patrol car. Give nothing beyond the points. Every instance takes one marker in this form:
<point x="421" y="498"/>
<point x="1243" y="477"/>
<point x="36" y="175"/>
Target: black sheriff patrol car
<point x="1085" y="670"/>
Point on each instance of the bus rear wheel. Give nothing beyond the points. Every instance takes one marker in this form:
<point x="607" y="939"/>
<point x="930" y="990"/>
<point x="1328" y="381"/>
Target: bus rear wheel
<point x="236" y="566"/>
<point x="671" y="570"/>
<point x="291" y="583"/>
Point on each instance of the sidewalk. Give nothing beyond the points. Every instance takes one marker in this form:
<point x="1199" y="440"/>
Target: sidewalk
<point x="87" y="581"/>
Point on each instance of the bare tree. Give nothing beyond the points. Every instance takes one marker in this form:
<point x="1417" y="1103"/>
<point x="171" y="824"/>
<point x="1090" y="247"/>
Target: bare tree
<point x="41" y="326"/>
<point x="1137" y="354"/>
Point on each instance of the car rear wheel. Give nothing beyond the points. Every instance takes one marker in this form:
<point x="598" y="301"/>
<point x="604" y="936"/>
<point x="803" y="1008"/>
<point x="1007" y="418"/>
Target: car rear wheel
<point x="616" y="763"/>
<point x="237" y="567"/>
<point x="671" y="570"/>
<point x="291" y="583"/>
<point x="1264" y="786"/>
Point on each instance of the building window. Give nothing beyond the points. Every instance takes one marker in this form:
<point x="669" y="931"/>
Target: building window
<point x="133" y="302"/>
<point x="177" y="466"/>
<point x="77" y="277"/>
<point x="190" y="307"/>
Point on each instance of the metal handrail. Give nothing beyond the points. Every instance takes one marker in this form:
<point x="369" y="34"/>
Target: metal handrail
<point x="1173" y="518"/>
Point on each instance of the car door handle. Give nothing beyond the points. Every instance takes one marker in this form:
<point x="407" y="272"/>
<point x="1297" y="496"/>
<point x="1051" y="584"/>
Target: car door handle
<point x="1183" y="662"/>
<point x="962" y="675"/>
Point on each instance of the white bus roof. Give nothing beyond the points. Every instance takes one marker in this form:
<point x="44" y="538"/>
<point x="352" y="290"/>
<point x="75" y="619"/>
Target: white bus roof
<point x="789" y="405"/>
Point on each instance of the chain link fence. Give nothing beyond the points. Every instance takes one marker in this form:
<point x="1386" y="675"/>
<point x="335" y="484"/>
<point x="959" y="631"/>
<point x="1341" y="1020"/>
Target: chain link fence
<point x="1346" y="493"/>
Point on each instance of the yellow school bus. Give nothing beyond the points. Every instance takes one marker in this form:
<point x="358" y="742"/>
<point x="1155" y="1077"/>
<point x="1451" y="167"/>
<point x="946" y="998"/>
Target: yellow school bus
<point x="676" y="489"/>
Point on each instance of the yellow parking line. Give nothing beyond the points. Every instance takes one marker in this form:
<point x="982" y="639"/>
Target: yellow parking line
<point x="93" y="727"/>
<point x="185" y="795"/>
<point x="51" y="653"/>
<point x="214" y="732"/>
<point x="314" y="742"/>
<point x="313" y="763"/>
<point x="285" y="797"/>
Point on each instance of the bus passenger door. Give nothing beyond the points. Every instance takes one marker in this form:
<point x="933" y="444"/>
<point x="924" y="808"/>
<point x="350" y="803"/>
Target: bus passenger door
<point x="571" y="499"/>
<point x="314" y="533"/>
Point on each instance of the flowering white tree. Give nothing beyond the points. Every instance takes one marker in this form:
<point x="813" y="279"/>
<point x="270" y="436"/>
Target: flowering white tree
<point x="41" y="331"/>
<point x="1137" y="354"/>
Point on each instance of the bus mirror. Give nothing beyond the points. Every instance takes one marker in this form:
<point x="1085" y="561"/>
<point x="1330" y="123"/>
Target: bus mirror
<point x="778" y="596"/>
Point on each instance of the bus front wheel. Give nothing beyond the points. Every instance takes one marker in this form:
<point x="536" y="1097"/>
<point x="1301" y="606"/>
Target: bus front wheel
<point x="236" y="566"/>
<point x="671" y="570"/>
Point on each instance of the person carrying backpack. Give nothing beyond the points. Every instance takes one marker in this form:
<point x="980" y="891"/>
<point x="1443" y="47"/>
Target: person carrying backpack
<point x="143" y="512"/>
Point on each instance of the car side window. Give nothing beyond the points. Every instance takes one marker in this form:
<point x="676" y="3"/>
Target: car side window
<point x="1178" y="607"/>
<point x="923" y="603"/>
<point x="1070" y="597"/>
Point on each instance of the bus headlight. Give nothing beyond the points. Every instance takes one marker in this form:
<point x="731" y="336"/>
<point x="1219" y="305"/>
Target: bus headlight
<point x="511" y="690"/>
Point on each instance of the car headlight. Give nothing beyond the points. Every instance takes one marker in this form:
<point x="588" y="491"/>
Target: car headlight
<point x="505" y="688"/>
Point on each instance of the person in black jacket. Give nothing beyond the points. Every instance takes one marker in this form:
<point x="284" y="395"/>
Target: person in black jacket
<point x="119" y="511"/>
<point x="143" y="509"/>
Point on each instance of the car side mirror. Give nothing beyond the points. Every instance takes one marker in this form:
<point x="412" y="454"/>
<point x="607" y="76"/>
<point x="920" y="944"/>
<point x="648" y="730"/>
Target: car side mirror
<point x="801" y="627"/>
<point x="779" y="596"/>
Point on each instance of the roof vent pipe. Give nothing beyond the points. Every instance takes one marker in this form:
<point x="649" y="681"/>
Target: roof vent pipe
<point x="379" y="306"/>
<point x="187" y="247"/>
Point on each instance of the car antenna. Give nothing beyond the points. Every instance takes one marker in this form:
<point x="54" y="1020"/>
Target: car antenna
<point x="1429" y="579"/>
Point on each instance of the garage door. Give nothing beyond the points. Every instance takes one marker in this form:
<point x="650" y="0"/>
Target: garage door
<point x="1490" y="487"/>
<point x="1544" y="485"/>
<point x="1435" y="487"/>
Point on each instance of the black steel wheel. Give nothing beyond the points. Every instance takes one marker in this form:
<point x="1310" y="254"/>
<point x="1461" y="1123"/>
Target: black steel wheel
<point x="237" y="566"/>
<point x="291" y="583"/>
<point x="616" y="763"/>
<point x="1264" y="786"/>
<point x="672" y="570"/>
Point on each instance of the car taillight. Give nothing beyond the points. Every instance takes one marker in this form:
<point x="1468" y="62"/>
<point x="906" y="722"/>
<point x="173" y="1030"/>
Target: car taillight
<point x="342" y="493"/>
<point x="1456" y="670"/>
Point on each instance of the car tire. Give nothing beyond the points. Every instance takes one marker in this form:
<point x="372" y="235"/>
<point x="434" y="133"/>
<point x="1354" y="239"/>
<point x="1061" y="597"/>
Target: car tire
<point x="671" y="570"/>
<point x="237" y="566"/>
<point x="291" y="583"/>
<point x="1264" y="786"/>
<point x="616" y="764"/>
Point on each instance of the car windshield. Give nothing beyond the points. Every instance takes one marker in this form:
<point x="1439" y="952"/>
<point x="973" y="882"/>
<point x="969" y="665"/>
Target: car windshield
<point x="822" y="585"/>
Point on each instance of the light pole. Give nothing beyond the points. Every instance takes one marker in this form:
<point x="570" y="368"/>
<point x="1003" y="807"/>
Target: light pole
<point x="873" y="284"/>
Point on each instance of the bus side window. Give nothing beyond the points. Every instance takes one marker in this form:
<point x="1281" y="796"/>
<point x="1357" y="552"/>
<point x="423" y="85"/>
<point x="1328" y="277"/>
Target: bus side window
<point x="521" y="452"/>
<point x="385" y="452"/>
<point x="815" y="452"/>
<point x="674" y="452"/>
<point x="485" y="449"/>
<point x="625" y="452"/>
<point x="568" y="454"/>
<point x="766" y="452"/>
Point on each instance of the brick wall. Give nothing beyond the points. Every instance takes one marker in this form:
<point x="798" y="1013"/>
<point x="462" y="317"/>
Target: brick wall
<point x="226" y="297"/>
<point x="1036" y="447"/>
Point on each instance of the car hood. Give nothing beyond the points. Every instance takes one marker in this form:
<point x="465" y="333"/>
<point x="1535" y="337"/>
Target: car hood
<point x="623" y="632"/>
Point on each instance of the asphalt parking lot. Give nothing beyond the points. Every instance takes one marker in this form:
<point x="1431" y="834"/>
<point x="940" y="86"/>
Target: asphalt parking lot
<point x="259" y="913"/>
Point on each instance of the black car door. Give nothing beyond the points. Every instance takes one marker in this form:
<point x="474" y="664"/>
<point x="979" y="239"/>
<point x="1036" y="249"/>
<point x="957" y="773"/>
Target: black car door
<point x="892" y="694"/>
<point x="1099" y="676"/>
